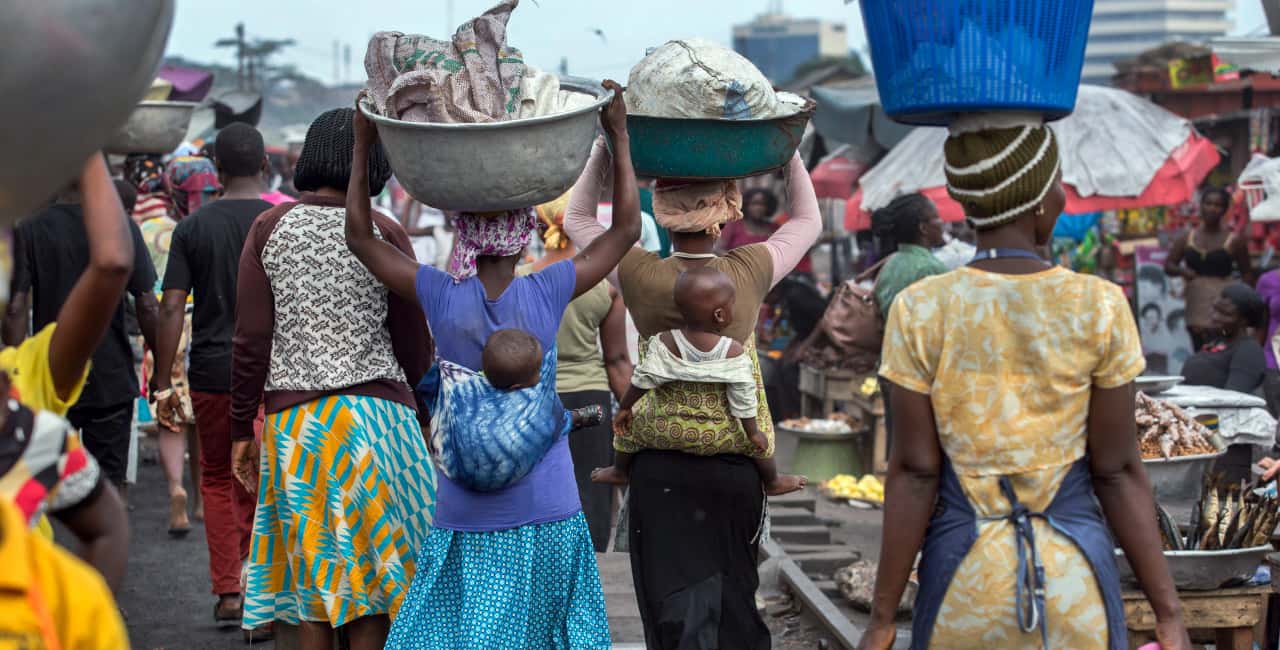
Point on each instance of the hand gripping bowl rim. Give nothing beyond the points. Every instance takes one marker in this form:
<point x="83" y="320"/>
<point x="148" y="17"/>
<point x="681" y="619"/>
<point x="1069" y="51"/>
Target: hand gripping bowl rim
<point x="573" y="84"/>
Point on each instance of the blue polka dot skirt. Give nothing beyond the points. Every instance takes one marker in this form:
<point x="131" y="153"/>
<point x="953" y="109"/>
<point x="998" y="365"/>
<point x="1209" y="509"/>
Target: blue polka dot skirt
<point x="536" y="586"/>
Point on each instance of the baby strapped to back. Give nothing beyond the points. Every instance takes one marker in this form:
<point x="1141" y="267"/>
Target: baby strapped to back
<point x="496" y="425"/>
<point x="697" y="352"/>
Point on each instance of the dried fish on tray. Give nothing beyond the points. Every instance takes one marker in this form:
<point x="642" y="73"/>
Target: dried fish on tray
<point x="1225" y="542"/>
<point x="1227" y="517"/>
<point x="1166" y="431"/>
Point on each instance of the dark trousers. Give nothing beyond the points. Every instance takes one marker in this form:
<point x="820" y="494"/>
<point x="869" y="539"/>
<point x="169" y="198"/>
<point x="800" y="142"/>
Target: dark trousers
<point x="590" y="448"/>
<point x="106" y="432"/>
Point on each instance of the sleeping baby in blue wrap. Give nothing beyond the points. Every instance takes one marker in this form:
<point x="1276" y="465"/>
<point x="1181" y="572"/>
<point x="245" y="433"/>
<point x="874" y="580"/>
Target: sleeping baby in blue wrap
<point x="490" y="428"/>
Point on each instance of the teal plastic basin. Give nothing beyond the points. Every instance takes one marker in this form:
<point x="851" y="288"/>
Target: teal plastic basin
<point x="691" y="149"/>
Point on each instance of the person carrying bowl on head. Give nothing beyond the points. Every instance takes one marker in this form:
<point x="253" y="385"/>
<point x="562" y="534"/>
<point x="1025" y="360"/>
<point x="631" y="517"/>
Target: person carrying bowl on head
<point x="44" y="464"/>
<point x="696" y="515"/>
<point x="1207" y="257"/>
<point x="1011" y="385"/>
<point x="511" y="567"/>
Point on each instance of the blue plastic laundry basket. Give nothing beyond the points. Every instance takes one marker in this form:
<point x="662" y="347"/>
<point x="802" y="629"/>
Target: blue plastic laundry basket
<point x="936" y="58"/>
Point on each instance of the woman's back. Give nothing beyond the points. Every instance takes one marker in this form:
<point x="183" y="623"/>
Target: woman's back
<point x="581" y="364"/>
<point x="330" y="312"/>
<point x="1009" y="361"/>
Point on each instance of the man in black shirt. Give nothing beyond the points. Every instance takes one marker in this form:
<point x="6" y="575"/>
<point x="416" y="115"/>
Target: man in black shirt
<point x="52" y="253"/>
<point x="204" y="258"/>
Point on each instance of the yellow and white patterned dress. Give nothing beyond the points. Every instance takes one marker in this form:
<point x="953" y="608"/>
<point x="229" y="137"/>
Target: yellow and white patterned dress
<point x="1009" y="362"/>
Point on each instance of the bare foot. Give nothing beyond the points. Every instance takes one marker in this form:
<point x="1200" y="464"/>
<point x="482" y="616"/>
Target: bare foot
<point x="785" y="483"/>
<point x="179" y="525"/>
<point x="610" y="475"/>
<point x="197" y="508"/>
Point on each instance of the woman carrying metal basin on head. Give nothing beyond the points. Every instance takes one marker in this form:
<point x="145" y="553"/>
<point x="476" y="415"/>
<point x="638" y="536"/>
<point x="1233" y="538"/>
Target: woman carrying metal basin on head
<point x="515" y="566"/>
<point x="1015" y="455"/>
<point x="696" y="507"/>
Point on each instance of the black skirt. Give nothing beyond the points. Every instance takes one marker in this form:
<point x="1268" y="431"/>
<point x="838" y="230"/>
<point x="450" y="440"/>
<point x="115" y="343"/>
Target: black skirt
<point x="592" y="447"/>
<point x="694" y="532"/>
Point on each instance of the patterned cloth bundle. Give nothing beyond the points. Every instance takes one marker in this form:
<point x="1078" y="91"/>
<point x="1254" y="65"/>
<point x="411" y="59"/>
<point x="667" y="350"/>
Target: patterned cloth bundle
<point x="487" y="438"/>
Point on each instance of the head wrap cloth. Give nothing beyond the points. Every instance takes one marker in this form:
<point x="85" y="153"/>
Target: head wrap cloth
<point x="682" y="206"/>
<point x="192" y="181"/>
<point x="498" y="234"/>
<point x="679" y="207"/>
<point x="551" y="216"/>
<point x="1000" y="173"/>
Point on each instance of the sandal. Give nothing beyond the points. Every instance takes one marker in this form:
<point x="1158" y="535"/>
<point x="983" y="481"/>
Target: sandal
<point x="228" y="616"/>
<point x="259" y="634"/>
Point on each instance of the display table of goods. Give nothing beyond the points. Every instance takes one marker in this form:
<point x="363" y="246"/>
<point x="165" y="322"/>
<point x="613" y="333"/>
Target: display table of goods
<point x="821" y="448"/>
<point x="858" y="394"/>
<point x="1242" y="422"/>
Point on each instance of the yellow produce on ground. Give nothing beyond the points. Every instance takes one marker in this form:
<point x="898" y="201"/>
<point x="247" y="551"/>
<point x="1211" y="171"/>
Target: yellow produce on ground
<point x="846" y="486"/>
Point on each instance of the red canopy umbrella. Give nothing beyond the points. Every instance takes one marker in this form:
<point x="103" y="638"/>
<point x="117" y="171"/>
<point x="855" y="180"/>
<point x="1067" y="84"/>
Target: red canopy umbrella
<point x="1176" y="181"/>
<point x="834" y="177"/>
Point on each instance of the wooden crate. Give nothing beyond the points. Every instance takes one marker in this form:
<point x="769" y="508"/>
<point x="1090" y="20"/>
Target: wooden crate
<point x="1230" y="615"/>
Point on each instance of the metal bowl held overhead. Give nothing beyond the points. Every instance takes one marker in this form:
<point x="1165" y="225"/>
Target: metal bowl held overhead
<point x="75" y="71"/>
<point x="492" y="166"/>
<point x="1204" y="570"/>
<point x="708" y="149"/>
<point x="154" y="127"/>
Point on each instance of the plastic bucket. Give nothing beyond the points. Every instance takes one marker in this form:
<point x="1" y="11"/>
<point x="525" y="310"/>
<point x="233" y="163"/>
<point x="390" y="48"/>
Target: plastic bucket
<point x="936" y="58"/>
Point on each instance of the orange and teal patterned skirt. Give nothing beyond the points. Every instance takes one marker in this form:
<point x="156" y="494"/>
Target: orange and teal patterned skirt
<point x="345" y="501"/>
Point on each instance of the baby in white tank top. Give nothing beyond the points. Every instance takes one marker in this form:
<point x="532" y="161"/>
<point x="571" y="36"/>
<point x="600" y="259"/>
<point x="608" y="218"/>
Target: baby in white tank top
<point x="699" y="353"/>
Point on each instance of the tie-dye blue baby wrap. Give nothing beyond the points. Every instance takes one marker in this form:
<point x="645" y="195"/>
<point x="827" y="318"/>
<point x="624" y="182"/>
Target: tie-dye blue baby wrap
<point x="486" y="438"/>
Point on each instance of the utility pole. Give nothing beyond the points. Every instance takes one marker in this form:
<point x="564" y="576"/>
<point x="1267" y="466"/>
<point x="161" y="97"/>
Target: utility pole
<point x="241" y="53"/>
<point x="448" y="19"/>
<point x="346" y="60"/>
<point x="336" y="72"/>
<point x="240" y="46"/>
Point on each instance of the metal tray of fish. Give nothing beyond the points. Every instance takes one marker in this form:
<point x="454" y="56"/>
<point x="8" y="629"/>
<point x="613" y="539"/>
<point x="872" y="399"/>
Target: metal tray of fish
<point x="1176" y="481"/>
<point x="1204" y="570"/>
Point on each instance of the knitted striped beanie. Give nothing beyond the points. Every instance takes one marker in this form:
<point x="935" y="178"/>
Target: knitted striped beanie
<point x="998" y="174"/>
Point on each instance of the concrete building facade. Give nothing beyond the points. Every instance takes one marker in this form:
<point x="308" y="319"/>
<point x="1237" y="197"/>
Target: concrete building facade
<point x="1122" y="29"/>
<point x="778" y="44"/>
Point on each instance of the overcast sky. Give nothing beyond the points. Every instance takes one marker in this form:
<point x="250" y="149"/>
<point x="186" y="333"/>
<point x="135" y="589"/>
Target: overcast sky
<point x="545" y="31"/>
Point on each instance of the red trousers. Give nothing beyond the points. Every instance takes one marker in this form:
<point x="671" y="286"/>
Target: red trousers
<point x="228" y="508"/>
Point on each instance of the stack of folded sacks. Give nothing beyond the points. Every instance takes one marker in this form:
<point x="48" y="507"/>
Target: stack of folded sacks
<point x="473" y="78"/>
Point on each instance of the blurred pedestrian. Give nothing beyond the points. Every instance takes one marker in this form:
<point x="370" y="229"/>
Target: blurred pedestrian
<point x="1207" y="257"/>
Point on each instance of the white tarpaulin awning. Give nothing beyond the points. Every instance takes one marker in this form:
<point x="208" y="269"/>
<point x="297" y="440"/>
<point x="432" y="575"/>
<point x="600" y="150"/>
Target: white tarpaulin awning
<point x="1112" y="145"/>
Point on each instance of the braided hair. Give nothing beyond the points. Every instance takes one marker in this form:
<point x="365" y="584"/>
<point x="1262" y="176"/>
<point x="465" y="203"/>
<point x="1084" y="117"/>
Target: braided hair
<point x="899" y="222"/>
<point x="326" y="156"/>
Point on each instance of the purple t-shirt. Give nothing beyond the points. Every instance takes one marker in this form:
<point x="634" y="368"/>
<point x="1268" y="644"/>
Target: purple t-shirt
<point x="1269" y="289"/>
<point x="461" y="319"/>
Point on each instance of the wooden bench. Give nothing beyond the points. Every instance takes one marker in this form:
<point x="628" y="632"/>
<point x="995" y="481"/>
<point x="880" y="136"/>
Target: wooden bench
<point x="1228" y="615"/>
